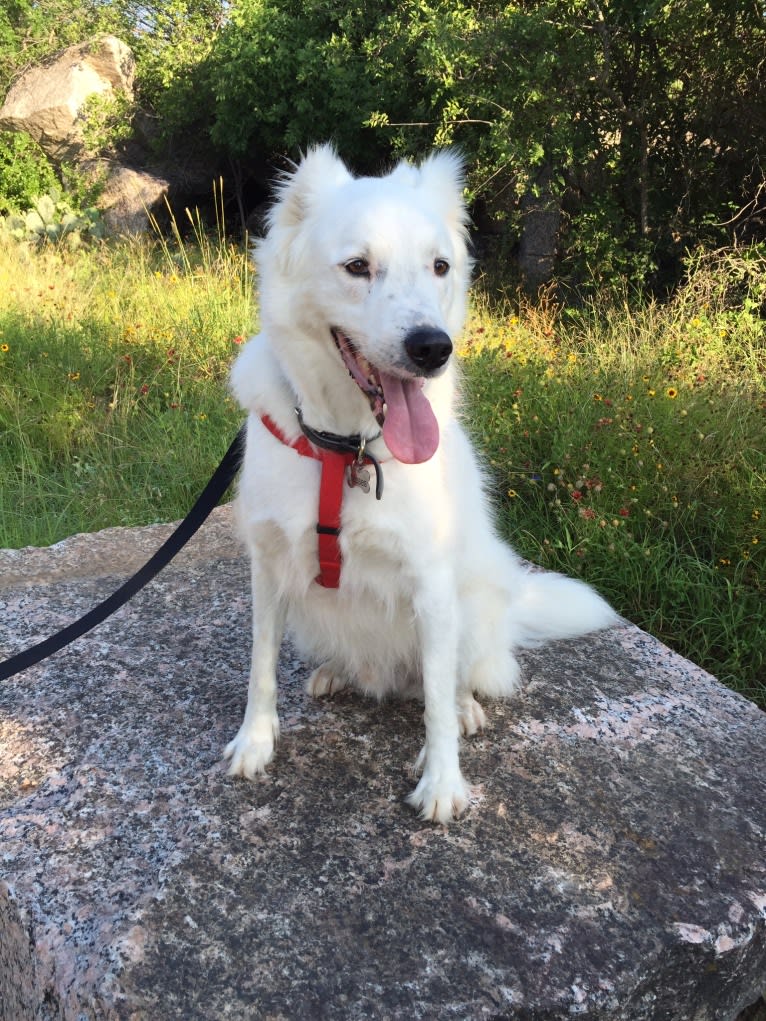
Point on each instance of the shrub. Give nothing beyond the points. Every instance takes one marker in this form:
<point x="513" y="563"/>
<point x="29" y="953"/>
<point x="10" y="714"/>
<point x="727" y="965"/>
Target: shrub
<point x="25" y="171"/>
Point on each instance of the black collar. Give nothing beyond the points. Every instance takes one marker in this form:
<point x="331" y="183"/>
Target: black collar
<point x="354" y="444"/>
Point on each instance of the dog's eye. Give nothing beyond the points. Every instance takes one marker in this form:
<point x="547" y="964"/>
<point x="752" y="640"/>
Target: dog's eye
<point x="441" y="267"/>
<point x="358" y="268"/>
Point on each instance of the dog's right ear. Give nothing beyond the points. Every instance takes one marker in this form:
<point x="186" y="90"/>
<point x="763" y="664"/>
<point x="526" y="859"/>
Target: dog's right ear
<point x="320" y="171"/>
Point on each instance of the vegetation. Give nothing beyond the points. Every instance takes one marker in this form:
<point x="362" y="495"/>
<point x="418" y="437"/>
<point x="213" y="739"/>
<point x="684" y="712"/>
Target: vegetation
<point x="622" y="411"/>
<point x="627" y="444"/>
<point x="640" y="123"/>
<point x="113" y="408"/>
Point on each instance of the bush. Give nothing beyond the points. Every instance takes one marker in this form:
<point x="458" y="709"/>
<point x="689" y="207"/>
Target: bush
<point x="25" y="171"/>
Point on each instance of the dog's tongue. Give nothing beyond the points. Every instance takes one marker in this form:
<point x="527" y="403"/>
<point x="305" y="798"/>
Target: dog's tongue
<point x="410" y="428"/>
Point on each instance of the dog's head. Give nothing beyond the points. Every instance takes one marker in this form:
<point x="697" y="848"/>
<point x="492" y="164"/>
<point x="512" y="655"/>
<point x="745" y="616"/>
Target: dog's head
<point x="372" y="272"/>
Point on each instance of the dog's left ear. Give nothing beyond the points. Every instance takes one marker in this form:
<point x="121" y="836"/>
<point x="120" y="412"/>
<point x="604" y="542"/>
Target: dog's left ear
<point x="320" y="171"/>
<point x="442" y="174"/>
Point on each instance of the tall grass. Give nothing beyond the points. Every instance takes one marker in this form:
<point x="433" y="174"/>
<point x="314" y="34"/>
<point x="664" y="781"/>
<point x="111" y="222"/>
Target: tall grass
<point x="627" y="444"/>
<point x="113" y="360"/>
<point x="626" y="440"/>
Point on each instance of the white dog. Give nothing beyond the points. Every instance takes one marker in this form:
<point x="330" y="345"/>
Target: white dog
<point x="363" y="284"/>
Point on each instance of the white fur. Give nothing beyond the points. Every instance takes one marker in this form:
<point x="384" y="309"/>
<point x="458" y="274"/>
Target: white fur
<point x="430" y="600"/>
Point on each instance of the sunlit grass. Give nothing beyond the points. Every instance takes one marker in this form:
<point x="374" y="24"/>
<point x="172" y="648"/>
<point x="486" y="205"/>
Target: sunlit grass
<point x="625" y="440"/>
<point x="628" y="446"/>
<point x="113" y="362"/>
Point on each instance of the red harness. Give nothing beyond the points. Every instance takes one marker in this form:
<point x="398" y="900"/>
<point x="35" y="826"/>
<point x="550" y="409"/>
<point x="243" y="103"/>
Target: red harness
<point x="335" y="472"/>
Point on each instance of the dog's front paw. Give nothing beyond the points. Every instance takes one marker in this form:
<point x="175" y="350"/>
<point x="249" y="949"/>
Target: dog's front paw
<point x="252" y="749"/>
<point x="440" y="798"/>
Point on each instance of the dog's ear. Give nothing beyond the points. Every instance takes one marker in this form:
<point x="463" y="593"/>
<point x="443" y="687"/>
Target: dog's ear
<point x="319" y="172"/>
<point x="442" y="174"/>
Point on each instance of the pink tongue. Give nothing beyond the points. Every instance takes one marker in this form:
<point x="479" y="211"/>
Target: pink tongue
<point x="410" y="428"/>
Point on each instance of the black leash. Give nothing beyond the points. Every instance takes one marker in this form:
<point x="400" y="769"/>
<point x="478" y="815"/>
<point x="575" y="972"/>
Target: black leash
<point x="208" y="499"/>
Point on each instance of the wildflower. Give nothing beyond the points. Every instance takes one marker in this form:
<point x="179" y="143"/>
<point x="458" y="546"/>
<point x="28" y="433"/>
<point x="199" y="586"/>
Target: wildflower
<point x="4" y="348"/>
<point x="144" y="389"/>
<point x="754" y="541"/>
<point x="512" y="493"/>
<point x="202" y="417"/>
<point x="239" y="339"/>
<point x="74" y="376"/>
<point x="651" y="392"/>
<point x="588" y="513"/>
<point x="671" y="392"/>
<point x="624" y="512"/>
<point x="576" y="495"/>
<point x="756" y="515"/>
<point x="597" y="397"/>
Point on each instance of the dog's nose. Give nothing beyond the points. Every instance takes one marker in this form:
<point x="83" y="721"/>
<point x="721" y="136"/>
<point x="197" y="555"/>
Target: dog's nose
<point x="428" y="347"/>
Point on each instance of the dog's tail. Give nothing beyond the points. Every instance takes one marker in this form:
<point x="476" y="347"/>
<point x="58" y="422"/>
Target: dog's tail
<point x="547" y="606"/>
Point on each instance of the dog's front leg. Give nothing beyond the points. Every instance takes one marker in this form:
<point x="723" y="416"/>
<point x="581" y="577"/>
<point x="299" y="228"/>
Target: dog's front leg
<point x="442" y="793"/>
<point x="252" y="748"/>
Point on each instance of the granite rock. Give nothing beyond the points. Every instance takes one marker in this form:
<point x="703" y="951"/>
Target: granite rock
<point x="611" y="864"/>
<point x="47" y="100"/>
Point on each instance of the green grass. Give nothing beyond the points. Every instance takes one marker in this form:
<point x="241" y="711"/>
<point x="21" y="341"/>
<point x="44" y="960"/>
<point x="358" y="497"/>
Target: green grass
<point x="625" y="440"/>
<point x="113" y="364"/>
<point x="628" y="447"/>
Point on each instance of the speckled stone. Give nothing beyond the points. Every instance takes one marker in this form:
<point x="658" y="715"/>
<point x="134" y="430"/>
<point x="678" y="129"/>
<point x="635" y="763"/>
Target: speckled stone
<point x="612" y="864"/>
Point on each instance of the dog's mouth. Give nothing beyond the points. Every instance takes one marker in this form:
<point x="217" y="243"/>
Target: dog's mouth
<point x="398" y="403"/>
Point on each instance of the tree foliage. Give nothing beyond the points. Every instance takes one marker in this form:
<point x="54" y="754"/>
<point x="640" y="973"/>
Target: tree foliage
<point x="641" y="121"/>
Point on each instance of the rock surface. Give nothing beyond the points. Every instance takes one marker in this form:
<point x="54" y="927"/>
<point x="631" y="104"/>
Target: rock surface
<point x="47" y="100"/>
<point x="128" y="198"/>
<point x="612" y="864"/>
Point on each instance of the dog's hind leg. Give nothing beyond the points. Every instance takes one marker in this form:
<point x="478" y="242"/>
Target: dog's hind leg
<point x="327" y="679"/>
<point x="470" y="714"/>
<point x="253" y="747"/>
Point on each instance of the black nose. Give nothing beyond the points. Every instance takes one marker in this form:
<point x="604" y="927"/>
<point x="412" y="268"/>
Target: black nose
<point x="428" y="348"/>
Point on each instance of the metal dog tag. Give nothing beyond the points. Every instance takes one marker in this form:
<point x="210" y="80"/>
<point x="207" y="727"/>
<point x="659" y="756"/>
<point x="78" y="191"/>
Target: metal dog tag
<point x="356" y="475"/>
